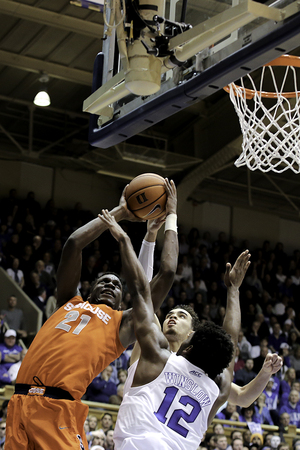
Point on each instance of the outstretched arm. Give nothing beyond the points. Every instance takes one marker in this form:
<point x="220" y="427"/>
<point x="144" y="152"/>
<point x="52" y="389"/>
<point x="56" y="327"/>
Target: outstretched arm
<point x="244" y="396"/>
<point x="232" y="320"/>
<point x="146" y="255"/>
<point x="162" y="282"/>
<point x="69" y="269"/>
<point x="136" y="281"/>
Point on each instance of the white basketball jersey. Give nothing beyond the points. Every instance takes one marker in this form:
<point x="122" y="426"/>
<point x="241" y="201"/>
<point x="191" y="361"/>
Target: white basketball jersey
<point x="171" y="412"/>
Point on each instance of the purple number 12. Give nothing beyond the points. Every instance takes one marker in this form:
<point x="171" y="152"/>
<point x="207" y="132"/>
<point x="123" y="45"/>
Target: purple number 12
<point x="170" y="394"/>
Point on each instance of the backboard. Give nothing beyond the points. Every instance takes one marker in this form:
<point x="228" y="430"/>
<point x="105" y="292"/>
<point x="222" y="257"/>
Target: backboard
<point x="227" y="39"/>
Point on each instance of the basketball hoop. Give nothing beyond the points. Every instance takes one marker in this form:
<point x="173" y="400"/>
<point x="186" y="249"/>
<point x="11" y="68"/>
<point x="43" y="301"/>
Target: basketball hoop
<point x="270" y="121"/>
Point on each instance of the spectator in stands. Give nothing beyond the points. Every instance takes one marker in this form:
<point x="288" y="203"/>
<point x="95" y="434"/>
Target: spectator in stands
<point x="106" y="422"/>
<point x="275" y="441"/>
<point x="228" y="412"/>
<point x="294" y="338"/>
<point x="3" y="410"/>
<point x="237" y="444"/>
<point x="296" y="443"/>
<point x="239" y="362"/>
<point x="267" y="440"/>
<point x="101" y="388"/>
<point x="51" y="304"/>
<point x="122" y="375"/>
<point x="85" y="289"/>
<point x="44" y="276"/>
<point x="295" y="360"/>
<point x="283" y="446"/>
<point x="15" y="273"/>
<point x="258" y="362"/>
<point x="262" y="414"/>
<point x="187" y="271"/>
<point x="254" y="282"/>
<point x="12" y="249"/>
<point x="284" y="352"/>
<point x="116" y="399"/>
<point x="245" y="375"/>
<point x="244" y="346"/>
<point x="280" y="276"/>
<point x="38" y="248"/>
<point x="286" y="383"/>
<point x="89" y="270"/>
<point x="236" y="434"/>
<point x="14" y="316"/>
<point x="98" y="438"/>
<point x="218" y="428"/>
<point x="254" y="339"/>
<point x="33" y="285"/>
<point x="49" y="266"/>
<point x="41" y="300"/>
<point x="276" y="338"/>
<point x="4" y="376"/>
<point x="14" y="368"/>
<point x="271" y="399"/>
<point x="183" y="245"/>
<point x="221" y="442"/>
<point x="247" y="437"/>
<point x="284" y="423"/>
<point x="93" y="422"/>
<point x="27" y="262"/>
<point x="10" y="351"/>
<point x="247" y="415"/>
<point x="109" y="444"/>
<point x="292" y="408"/>
<point x="257" y="439"/>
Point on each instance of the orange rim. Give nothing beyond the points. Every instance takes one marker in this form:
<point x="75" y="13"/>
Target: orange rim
<point x="284" y="60"/>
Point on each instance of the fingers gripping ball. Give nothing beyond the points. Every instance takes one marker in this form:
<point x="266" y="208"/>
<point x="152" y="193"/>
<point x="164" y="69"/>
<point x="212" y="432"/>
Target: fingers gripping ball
<point x="146" y="196"/>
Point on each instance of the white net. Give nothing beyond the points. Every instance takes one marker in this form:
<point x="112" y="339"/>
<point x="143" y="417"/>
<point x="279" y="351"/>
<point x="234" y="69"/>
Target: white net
<point x="270" y="123"/>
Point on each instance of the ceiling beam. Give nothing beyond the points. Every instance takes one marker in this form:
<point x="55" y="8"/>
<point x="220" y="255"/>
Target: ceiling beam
<point x="206" y="169"/>
<point x="53" y="70"/>
<point x="51" y="19"/>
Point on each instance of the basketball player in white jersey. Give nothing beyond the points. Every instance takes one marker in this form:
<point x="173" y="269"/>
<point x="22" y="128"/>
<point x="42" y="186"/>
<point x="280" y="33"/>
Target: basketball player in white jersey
<point x="242" y="396"/>
<point x="174" y="397"/>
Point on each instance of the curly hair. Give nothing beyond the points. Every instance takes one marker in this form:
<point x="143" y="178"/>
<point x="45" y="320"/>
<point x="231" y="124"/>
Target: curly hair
<point x="212" y="349"/>
<point x="189" y="309"/>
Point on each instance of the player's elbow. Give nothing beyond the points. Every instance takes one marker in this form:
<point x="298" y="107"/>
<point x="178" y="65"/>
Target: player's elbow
<point x="72" y="244"/>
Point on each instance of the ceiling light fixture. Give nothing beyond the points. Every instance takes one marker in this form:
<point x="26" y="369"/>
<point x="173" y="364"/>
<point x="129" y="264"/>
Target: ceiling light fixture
<point x="42" y="97"/>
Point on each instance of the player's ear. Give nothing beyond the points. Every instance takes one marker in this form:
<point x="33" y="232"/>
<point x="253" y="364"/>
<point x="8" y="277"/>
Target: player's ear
<point x="190" y="333"/>
<point x="187" y="350"/>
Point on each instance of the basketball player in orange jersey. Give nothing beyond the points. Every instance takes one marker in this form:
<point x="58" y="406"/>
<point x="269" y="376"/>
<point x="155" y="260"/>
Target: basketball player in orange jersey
<point x="80" y="339"/>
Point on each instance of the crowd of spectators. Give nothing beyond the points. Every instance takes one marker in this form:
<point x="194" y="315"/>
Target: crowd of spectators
<point x="31" y="242"/>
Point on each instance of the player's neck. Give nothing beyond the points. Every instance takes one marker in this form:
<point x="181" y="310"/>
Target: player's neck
<point x="174" y="346"/>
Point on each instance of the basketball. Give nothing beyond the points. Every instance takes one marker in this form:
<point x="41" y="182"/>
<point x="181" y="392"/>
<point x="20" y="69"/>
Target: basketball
<point x="146" y="196"/>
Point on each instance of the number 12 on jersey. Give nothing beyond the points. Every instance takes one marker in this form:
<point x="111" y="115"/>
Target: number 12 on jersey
<point x="173" y="423"/>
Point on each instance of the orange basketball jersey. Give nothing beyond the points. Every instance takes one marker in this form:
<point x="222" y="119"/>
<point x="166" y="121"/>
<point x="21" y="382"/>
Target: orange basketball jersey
<point x="73" y="346"/>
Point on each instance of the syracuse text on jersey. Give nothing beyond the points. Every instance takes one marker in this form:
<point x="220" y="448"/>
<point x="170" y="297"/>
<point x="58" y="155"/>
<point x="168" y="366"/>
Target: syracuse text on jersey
<point x="88" y="307"/>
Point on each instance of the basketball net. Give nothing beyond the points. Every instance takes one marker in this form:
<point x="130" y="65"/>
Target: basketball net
<point x="270" y="121"/>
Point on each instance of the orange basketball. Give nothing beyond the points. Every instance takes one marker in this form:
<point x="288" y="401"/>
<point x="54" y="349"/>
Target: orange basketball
<point x="146" y="196"/>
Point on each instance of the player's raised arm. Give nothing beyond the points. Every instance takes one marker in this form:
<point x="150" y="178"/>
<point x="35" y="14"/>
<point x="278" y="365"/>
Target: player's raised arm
<point x="244" y="396"/>
<point x="135" y="277"/>
<point x="69" y="269"/>
<point x="232" y="321"/>
<point x="162" y="282"/>
<point x="146" y="254"/>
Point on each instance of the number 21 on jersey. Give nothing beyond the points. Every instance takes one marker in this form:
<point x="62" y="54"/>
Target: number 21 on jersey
<point x="72" y="316"/>
<point x="173" y="422"/>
